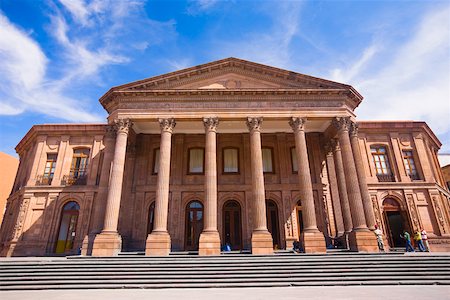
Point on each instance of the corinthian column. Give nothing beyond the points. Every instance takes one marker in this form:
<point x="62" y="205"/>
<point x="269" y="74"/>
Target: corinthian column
<point x="209" y="243"/>
<point x="367" y="203"/>
<point x="361" y="238"/>
<point x="313" y="240"/>
<point x="158" y="242"/>
<point x="262" y="242"/>
<point x="109" y="242"/>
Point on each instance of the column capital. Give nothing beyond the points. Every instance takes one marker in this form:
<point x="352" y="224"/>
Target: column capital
<point x="297" y="123"/>
<point x="123" y="125"/>
<point x="335" y="145"/>
<point x="167" y="125"/>
<point x="354" y="129"/>
<point x="342" y="123"/>
<point x="210" y="123"/>
<point x="110" y="131"/>
<point x="254" y="123"/>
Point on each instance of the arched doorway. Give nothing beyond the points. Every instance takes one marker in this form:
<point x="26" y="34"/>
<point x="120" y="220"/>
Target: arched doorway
<point x="299" y="218"/>
<point x="151" y="218"/>
<point x="272" y="222"/>
<point x="396" y="221"/>
<point x="194" y="225"/>
<point x="67" y="227"/>
<point x="232" y="224"/>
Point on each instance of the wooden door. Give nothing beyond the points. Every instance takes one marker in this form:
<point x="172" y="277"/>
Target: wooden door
<point x="194" y="225"/>
<point x="232" y="225"/>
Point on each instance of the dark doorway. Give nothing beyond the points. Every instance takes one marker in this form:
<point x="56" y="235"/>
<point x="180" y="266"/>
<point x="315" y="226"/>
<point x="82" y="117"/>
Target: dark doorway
<point x="299" y="219"/>
<point x="232" y="224"/>
<point x="67" y="227"/>
<point x="272" y="222"/>
<point x="396" y="221"/>
<point x="194" y="225"/>
<point x="151" y="218"/>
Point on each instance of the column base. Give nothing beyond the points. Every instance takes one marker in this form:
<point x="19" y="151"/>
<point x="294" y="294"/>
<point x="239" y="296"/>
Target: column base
<point x="209" y="243"/>
<point x="158" y="244"/>
<point x="262" y="242"/>
<point x="106" y="244"/>
<point x="313" y="242"/>
<point x="363" y="241"/>
<point x="87" y="244"/>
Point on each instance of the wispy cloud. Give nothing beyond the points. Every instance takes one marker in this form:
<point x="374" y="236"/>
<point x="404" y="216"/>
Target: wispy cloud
<point x="86" y="35"/>
<point x="200" y="6"/>
<point x="413" y="80"/>
<point x="271" y="46"/>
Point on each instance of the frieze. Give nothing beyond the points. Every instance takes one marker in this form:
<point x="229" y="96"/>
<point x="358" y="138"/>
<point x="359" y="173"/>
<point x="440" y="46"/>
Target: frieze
<point x="261" y="105"/>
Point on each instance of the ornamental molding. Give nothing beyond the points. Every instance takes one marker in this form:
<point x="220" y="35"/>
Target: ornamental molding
<point x="342" y="123"/>
<point x="211" y="123"/>
<point x="167" y="125"/>
<point x="254" y="124"/>
<point x="297" y="124"/>
<point x="123" y="125"/>
<point x="354" y="127"/>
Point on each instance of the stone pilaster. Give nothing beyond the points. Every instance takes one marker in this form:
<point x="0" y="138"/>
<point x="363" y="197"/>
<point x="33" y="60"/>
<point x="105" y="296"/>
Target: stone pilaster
<point x="313" y="240"/>
<point x="109" y="242"/>
<point x="209" y="243"/>
<point x="158" y="242"/>
<point x="262" y="242"/>
<point x="361" y="238"/>
<point x="367" y="205"/>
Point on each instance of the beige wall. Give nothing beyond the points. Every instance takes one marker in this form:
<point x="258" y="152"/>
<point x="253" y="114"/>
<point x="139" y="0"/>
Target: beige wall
<point x="9" y="165"/>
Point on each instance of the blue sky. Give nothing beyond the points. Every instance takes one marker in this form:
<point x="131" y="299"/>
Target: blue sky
<point x="57" y="58"/>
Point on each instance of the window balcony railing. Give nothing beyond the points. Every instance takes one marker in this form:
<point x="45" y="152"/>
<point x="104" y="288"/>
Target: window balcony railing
<point x="45" y="179"/>
<point x="72" y="179"/>
<point x="414" y="176"/>
<point x="385" y="178"/>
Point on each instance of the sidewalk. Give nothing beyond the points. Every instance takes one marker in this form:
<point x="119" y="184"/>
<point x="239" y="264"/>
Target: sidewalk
<point x="433" y="292"/>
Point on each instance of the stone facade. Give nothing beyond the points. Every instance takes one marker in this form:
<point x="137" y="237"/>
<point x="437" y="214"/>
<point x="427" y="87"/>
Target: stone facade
<point x="230" y="152"/>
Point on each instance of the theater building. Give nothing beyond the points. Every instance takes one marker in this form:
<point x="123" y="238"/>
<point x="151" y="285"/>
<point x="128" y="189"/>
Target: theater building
<point x="229" y="152"/>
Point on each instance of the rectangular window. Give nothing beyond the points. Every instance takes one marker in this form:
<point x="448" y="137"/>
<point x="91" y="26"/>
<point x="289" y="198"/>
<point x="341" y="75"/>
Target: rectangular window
<point x="231" y="160"/>
<point x="196" y="159"/>
<point x="381" y="162"/>
<point x="267" y="160"/>
<point x="410" y="166"/>
<point x="156" y="161"/>
<point x="78" y="170"/>
<point x="49" y="170"/>
<point x="294" y="160"/>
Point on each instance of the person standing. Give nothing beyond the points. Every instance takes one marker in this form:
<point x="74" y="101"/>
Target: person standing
<point x="425" y="239"/>
<point x="407" y="238"/>
<point x="418" y="241"/>
<point x="379" y="235"/>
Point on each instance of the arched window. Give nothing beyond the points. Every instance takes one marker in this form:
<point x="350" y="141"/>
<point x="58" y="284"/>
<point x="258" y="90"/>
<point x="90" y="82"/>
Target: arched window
<point x="67" y="227"/>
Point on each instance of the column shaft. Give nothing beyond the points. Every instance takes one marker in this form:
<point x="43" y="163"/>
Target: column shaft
<point x="345" y="206"/>
<point x="304" y="175"/>
<point x="353" y="191"/>
<point x="367" y="203"/>
<point x="158" y="242"/>
<point x="115" y="184"/>
<point x="262" y="242"/>
<point x="209" y="243"/>
<point x="334" y="189"/>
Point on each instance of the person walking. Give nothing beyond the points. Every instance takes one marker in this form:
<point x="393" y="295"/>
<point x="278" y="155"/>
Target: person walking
<point x="379" y="235"/>
<point x="407" y="238"/>
<point x="418" y="241"/>
<point x="425" y="240"/>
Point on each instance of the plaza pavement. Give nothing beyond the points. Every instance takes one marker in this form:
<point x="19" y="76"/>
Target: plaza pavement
<point x="433" y="292"/>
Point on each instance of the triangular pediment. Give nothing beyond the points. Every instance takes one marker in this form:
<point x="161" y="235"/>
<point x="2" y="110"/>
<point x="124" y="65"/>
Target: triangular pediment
<point x="231" y="73"/>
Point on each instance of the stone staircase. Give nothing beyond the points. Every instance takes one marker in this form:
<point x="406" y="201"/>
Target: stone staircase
<point x="238" y="270"/>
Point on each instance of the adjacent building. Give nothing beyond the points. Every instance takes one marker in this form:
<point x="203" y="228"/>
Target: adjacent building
<point x="229" y="152"/>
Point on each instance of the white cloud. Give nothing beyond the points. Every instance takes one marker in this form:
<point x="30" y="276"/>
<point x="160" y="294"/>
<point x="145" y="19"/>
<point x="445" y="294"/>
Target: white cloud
<point x="23" y="85"/>
<point x="270" y="46"/>
<point x="199" y="6"/>
<point x="413" y="80"/>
